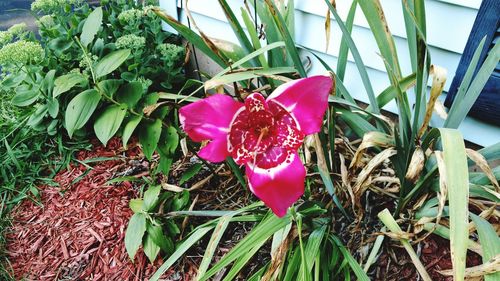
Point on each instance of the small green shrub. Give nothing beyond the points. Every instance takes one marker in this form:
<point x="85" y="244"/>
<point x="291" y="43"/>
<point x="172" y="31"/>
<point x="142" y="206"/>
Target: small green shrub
<point x="93" y="66"/>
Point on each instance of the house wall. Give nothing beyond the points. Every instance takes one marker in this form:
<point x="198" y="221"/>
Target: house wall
<point x="449" y="23"/>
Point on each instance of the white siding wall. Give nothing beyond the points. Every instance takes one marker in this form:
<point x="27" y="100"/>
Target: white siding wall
<point x="449" y="23"/>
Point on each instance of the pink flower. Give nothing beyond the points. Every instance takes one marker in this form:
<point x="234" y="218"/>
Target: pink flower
<point x="262" y="134"/>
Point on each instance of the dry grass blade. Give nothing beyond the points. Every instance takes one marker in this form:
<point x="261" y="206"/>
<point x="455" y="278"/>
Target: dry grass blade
<point x="370" y="139"/>
<point x="416" y="166"/>
<point x="322" y="164"/>
<point x="328" y="26"/>
<point x="488" y="267"/>
<point x="360" y="185"/>
<point x="204" y="37"/>
<point x="345" y="180"/>
<point x="438" y="81"/>
<point x="483" y="165"/>
<point x="279" y="255"/>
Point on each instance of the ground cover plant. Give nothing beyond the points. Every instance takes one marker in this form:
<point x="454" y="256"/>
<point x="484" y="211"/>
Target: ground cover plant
<point x="342" y="186"/>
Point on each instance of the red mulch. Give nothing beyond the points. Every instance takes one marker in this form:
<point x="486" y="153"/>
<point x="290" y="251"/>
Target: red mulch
<point x="78" y="233"/>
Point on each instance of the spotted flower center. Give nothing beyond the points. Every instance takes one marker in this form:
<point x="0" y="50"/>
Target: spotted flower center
<point x="263" y="133"/>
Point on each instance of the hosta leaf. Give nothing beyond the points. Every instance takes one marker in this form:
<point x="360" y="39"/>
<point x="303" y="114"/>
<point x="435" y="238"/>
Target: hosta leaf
<point x="79" y="110"/>
<point x="135" y="231"/>
<point x="108" y="123"/>
<point x="111" y="62"/>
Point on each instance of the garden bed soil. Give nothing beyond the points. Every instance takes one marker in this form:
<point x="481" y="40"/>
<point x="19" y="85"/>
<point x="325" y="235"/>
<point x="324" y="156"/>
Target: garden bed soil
<point x="76" y="231"/>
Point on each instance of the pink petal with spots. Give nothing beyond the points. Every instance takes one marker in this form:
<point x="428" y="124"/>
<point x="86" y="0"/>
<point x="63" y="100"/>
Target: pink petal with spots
<point x="280" y="186"/>
<point x="306" y="99"/>
<point x="209" y="119"/>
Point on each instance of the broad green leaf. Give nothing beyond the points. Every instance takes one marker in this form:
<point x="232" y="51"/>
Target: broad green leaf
<point x="490" y="243"/>
<point x="130" y="128"/>
<point x="169" y="141"/>
<point x="53" y="107"/>
<point x="390" y="92"/>
<point x="25" y="96"/>
<point x="37" y="117"/>
<point x="111" y="62"/>
<point x="186" y="245"/>
<point x="109" y="87"/>
<point x="135" y="231"/>
<point x="130" y="94"/>
<point x="149" y="135"/>
<point x="155" y="232"/>
<point x="79" y="110"/>
<point x="136" y="205"/>
<point x="48" y="82"/>
<point x="151" y="249"/>
<point x="276" y="58"/>
<point x="64" y="83"/>
<point x="108" y="122"/>
<point x="91" y="27"/>
<point x="151" y="197"/>
<point x="189" y="173"/>
<point x="457" y="181"/>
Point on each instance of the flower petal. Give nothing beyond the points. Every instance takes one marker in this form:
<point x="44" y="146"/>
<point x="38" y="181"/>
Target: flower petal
<point x="209" y="119"/>
<point x="215" y="150"/>
<point x="278" y="187"/>
<point x="306" y="99"/>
